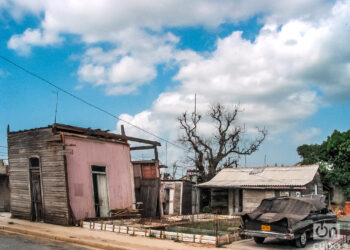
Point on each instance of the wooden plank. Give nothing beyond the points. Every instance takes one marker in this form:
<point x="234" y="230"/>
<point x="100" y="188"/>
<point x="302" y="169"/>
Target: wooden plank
<point x="149" y="195"/>
<point x="142" y="148"/>
<point x="129" y="138"/>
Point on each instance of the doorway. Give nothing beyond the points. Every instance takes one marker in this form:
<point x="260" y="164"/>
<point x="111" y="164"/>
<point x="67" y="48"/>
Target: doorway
<point x="171" y="200"/>
<point x="99" y="181"/>
<point x="35" y="189"/>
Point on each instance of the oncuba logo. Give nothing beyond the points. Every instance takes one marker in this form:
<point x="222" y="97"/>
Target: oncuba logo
<point x="325" y="231"/>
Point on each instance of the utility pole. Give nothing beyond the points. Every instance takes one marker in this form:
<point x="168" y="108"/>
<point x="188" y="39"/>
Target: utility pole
<point x="195" y="124"/>
<point x="56" y="106"/>
<point x="166" y="153"/>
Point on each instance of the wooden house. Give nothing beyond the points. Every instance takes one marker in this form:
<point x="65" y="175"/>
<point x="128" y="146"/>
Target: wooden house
<point x="4" y="188"/>
<point x="242" y="189"/>
<point x="61" y="174"/>
<point x="178" y="197"/>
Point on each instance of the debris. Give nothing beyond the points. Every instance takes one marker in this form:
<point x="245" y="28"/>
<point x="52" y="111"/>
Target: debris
<point x="338" y="211"/>
<point x="129" y="212"/>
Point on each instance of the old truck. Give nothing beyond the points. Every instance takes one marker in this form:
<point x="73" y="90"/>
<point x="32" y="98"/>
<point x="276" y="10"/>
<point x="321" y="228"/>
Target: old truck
<point x="288" y="218"/>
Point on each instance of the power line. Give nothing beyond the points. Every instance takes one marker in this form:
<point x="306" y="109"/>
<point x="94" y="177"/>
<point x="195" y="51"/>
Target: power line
<point x="3" y="147"/>
<point x="84" y="101"/>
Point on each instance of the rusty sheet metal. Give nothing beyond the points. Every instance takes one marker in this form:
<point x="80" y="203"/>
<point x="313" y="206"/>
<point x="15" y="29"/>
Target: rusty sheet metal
<point x="293" y="209"/>
<point x="149" y="172"/>
<point x="262" y="177"/>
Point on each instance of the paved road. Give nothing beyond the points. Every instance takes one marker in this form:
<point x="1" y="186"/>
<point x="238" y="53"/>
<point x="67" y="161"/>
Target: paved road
<point x="276" y="244"/>
<point x="8" y="241"/>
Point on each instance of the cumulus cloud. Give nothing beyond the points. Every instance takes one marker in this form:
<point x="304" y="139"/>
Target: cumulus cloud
<point x="279" y="79"/>
<point x="306" y="136"/>
<point x="299" y="59"/>
<point x="32" y="37"/>
<point x="137" y="28"/>
<point x="129" y="65"/>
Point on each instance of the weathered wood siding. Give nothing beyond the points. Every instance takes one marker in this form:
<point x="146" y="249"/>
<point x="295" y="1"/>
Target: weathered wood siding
<point x="44" y="144"/>
<point x="177" y="198"/>
<point x="149" y="194"/>
<point x="252" y="198"/>
<point x="310" y="187"/>
<point x="147" y="187"/>
<point x="186" y="198"/>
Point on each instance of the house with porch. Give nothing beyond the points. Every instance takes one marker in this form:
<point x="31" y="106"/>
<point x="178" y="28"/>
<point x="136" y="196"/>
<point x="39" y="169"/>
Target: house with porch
<point x="241" y="189"/>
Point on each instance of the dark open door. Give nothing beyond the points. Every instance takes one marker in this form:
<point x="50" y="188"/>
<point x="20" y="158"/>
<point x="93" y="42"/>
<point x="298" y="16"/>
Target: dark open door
<point x="99" y="181"/>
<point x="35" y="190"/>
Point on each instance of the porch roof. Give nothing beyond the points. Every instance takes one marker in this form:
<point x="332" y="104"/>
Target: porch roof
<point x="250" y="177"/>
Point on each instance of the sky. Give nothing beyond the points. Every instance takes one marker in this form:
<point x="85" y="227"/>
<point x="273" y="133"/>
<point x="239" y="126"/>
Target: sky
<point x="286" y="63"/>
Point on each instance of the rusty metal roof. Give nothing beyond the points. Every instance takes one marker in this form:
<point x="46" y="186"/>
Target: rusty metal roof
<point x="296" y="176"/>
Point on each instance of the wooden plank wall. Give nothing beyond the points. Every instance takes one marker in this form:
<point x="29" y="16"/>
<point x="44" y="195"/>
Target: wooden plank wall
<point x="149" y="194"/>
<point x="187" y="198"/>
<point x="252" y="198"/>
<point x="310" y="187"/>
<point x="177" y="198"/>
<point x="23" y="145"/>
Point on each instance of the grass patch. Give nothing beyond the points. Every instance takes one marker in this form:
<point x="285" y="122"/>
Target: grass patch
<point x="208" y="227"/>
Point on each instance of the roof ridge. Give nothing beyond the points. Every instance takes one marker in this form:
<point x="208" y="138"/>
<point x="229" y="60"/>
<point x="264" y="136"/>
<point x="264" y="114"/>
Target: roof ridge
<point x="275" y="167"/>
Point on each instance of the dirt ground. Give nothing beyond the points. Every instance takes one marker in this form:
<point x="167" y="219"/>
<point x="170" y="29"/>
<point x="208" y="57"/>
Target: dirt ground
<point x="97" y="239"/>
<point x="108" y="240"/>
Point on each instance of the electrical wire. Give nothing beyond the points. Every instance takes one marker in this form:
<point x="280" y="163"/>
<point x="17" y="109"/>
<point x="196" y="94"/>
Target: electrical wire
<point x="93" y="106"/>
<point x="86" y="102"/>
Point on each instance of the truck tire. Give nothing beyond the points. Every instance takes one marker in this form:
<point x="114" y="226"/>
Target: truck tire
<point x="259" y="240"/>
<point x="301" y="241"/>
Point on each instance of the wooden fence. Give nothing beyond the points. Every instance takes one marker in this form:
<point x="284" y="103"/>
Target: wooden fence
<point x="162" y="234"/>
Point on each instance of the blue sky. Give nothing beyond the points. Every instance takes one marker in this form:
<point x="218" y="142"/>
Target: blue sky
<point x="286" y="63"/>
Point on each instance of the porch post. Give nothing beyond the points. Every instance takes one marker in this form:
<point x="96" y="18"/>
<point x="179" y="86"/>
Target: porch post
<point x="236" y="200"/>
<point x="198" y="200"/>
<point x="230" y="202"/>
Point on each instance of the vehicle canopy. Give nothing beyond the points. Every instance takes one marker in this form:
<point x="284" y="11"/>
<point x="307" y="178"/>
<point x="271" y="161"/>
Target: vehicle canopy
<point x="292" y="209"/>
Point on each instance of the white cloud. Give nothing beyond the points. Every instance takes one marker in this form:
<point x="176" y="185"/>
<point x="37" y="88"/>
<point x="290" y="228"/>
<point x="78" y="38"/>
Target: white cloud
<point x="136" y="29"/>
<point x="22" y="43"/>
<point x="299" y="59"/>
<point x="131" y="64"/>
<point x="306" y="136"/>
<point x="279" y="79"/>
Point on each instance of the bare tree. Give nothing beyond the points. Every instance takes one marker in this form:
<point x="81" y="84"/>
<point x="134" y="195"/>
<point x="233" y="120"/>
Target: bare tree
<point x="224" y="146"/>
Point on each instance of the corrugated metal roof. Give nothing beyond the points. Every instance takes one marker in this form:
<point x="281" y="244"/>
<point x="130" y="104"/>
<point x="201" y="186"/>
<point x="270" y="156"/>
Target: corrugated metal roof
<point x="263" y="176"/>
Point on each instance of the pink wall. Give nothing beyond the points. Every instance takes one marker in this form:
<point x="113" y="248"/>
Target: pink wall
<point x="116" y="158"/>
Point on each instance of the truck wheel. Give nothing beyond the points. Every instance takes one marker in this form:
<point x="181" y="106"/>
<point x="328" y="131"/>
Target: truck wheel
<point x="259" y="240"/>
<point x="301" y="241"/>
